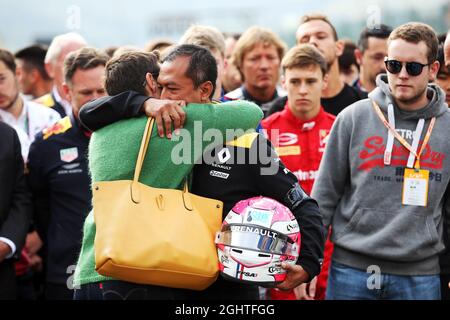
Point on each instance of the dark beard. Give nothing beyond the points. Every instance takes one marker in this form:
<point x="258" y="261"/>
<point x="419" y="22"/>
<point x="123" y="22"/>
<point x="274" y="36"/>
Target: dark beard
<point x="12" y="102"/>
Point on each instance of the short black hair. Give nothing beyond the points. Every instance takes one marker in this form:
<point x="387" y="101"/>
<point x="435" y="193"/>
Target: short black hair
<point x="440" y="56"/>
<point x="33" y="58"/>
<point x="347" y="59"/>
<point x="441" y="37"/>
<point x="381" y="32"/>
<point x="440" y="53"/>
<point x="202" y="65"/>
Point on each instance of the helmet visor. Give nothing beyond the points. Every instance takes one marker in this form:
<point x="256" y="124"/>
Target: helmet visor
<point x="254" y="237"/>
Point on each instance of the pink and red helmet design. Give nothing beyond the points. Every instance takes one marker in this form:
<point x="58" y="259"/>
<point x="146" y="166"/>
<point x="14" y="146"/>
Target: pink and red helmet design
<point x="256" y="236"/>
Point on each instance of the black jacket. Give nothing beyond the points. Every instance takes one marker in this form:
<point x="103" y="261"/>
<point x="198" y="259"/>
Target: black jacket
<point x="276" y="105"/>
<point x="15" y="201"/>
<point x="15" y="204"/>
<point x="62" y="195"/>
<point x="444" y="257"/>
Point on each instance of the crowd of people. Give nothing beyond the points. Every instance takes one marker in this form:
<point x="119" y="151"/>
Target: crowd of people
<point x="350" y="136"/>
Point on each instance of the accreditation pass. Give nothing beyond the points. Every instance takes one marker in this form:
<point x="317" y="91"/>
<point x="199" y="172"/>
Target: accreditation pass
<point x="415" y="187"/>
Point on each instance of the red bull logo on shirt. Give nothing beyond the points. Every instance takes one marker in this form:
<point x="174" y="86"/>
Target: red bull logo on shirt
<point x="59" y="127"/>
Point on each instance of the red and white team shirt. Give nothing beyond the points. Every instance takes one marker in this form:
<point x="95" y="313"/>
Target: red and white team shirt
<point x="300" y="144"/>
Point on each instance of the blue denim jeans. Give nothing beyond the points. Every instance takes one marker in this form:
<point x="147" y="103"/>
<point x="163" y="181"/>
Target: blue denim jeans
<point x="346" y="283"/>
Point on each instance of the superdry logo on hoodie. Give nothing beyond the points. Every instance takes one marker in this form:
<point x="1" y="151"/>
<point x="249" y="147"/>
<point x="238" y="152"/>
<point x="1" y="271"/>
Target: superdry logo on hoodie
<point x="373" y="152"/>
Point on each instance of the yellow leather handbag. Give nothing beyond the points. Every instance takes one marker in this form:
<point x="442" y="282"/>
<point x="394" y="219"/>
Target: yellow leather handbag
<point x="155" y="236"/>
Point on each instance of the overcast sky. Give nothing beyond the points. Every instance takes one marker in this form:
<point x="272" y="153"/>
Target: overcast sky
<point x="111" y="22"/>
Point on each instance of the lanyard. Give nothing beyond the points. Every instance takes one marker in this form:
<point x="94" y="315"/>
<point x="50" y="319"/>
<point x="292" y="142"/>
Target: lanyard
<point x="403" y="141"/>
<point x="390" y="139"/>
<point x="27" y="124"/>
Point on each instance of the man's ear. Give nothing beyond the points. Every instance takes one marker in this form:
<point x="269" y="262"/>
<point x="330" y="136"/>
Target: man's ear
<point x="339" y="48"/>
<point x="434" y="69"/>
<point x="283" y="81"/>
<point x="225" y="64"/>
<point x="34" y="75"/>
<point x="358" y="56"/>
<point x="206" y="89"/>
<point x="50" y="70"/>
<point x="67" y="92"/>
<point x="325" y="81"/>
<point x="151" y="86"/>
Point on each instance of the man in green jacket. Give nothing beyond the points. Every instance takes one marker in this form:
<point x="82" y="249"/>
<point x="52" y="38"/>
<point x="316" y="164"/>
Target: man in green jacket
<point x="113" y="151"/>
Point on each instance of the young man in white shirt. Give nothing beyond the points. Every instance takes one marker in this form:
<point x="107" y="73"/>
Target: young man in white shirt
<point x="26" y="117"/>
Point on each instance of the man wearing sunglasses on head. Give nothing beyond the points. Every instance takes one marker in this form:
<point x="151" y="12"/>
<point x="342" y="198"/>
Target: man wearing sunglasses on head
<point x="383" y="180"/>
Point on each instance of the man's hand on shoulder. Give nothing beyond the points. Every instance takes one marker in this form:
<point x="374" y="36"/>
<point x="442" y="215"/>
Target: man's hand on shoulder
<point x="166" y="113"/>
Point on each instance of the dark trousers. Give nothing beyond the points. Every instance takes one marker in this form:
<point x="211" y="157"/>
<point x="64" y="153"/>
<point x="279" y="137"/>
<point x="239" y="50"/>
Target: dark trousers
<point x="25" y="286"/>
<point x="8" y="286"/>
<point x="54" y="291"/>
<point x="121" y="290"/>
<point x="224" y="289"/>
<point x="445" y="290"/>
<point x="90" y="291"/>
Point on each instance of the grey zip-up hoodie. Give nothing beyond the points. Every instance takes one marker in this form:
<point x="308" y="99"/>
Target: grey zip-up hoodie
<point x="361" y="198"/>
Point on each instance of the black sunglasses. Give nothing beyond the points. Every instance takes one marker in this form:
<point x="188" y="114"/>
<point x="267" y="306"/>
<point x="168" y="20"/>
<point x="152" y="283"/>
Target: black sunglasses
<point x="413" y="68"/>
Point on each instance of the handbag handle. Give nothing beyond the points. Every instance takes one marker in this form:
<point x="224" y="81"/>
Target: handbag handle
<point x="135" y="194"/>
<point x="143" y="149"/>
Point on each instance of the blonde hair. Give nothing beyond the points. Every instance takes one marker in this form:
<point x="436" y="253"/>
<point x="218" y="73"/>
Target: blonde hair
<point x="160" y="45"/>
<point x="415" y="32"/>
<point x="304" y="55"/>
<point x="252" y="37"/>
<point x="318" y="16"/>
<point x="205" y="36"/>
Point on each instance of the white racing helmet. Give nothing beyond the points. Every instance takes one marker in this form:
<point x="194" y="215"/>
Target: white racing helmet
<point x="256" y="236"/>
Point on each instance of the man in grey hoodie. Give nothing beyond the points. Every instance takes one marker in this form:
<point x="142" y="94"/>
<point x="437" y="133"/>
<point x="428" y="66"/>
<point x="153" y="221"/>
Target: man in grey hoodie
<point x="382" y="183"/>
